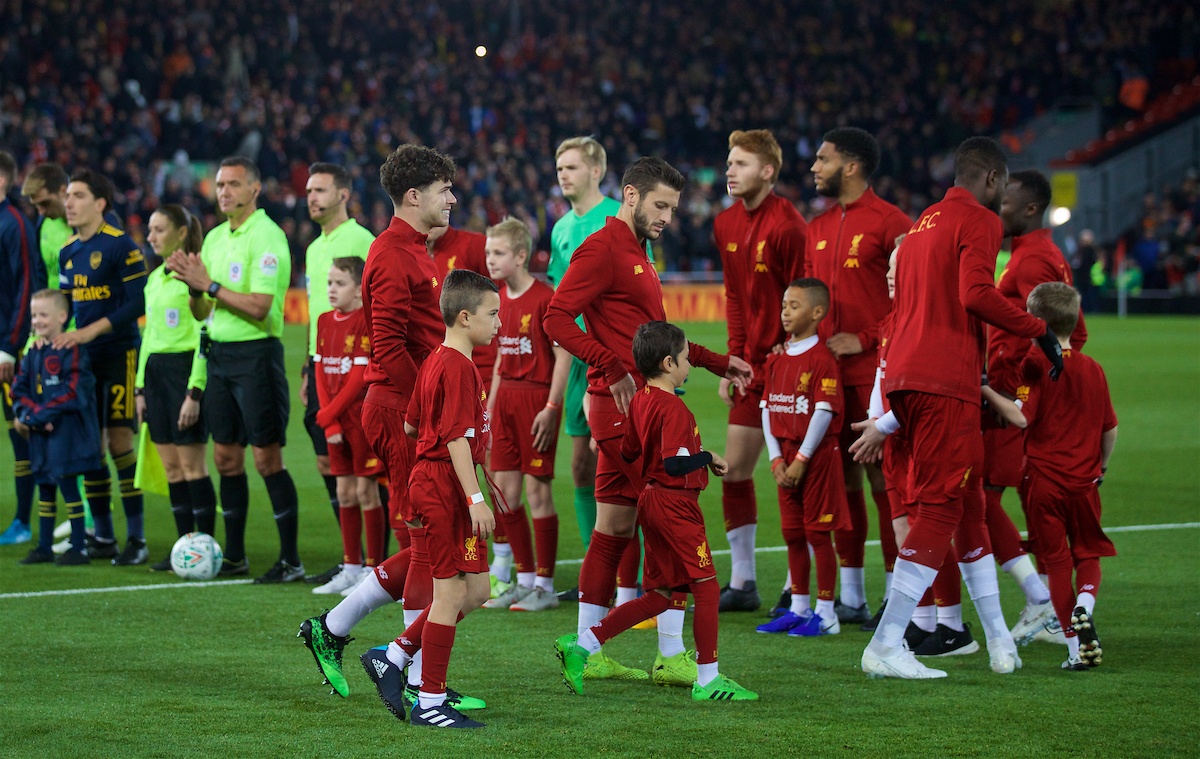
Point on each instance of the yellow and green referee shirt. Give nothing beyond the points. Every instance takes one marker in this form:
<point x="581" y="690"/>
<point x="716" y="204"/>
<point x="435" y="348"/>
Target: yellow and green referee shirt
<point x="255" y="259"/>
<point x="170" y="327"/>
<point x="348" y="239"/>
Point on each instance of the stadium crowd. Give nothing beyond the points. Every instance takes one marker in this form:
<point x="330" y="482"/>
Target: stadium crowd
<point x="147" y="92"/>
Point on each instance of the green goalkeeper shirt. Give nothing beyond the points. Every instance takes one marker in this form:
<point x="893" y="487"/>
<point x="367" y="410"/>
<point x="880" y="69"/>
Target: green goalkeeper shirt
<point x="348" y="239"/>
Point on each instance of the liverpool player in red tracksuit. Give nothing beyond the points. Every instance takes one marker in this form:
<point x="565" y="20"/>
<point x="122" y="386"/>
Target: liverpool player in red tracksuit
<point x="848" y="249"/>
<point x="761" y="241"/>
<point x="614" y="285"/>
<point x="944" y="290"/>
<point x="1035" y="259"/>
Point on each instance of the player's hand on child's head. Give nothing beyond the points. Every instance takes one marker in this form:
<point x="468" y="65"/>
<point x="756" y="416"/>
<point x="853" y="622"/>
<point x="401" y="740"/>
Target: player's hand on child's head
<point x="73" y="338"/>
<point x="719" y="466"/>
<point x="483" y="521"/>
<point x="622" y="392"/>
<point x="723" y="392"/>
<point x="1053" y="351"/>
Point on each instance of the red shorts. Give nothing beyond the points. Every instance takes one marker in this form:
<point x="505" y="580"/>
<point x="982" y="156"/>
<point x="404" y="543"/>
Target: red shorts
<point x="819" y="504"/>
<point x="354" y="455"/>
<point x="1003" y="453"/>
<point x="896" y="462"/>
<point x="858" y="404"/>
<point x="384" y="429"/>
<point x="441" y="505"/>
<point x="1064" y="524"/>
<point x="615" y="480"/>
<point x="945" y="443"/>
<point x="516" y="404"/>
<point x="676" y="545"/>
<point x="745" y="411"/>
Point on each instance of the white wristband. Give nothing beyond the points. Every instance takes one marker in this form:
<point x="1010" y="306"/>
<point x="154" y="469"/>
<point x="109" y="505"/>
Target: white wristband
<point x="477" y="498"/>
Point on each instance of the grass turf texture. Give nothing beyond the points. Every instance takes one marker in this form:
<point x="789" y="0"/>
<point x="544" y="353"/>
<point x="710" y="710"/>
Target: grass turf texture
<point x="219" y="671"/>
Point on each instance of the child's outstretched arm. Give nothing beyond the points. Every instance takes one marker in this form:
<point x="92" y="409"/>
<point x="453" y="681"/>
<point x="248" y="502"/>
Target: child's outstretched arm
<point x="1007" y="408"/>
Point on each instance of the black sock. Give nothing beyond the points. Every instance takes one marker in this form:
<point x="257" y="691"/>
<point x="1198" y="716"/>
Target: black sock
<point x="235" y="500"/>
<point x="97" y="489"/>
<point x="286" y="505"/>
<point x="181" y="507"/>
<point x="331" y="487"/>
<point x="47" y="510"/>
<point x="204" y="504"/>
<point x="23" y="476"/>
<point x="131" y="497"/>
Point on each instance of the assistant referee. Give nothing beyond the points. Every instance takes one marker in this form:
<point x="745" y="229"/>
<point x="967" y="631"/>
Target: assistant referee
<point x="241" y="277"/>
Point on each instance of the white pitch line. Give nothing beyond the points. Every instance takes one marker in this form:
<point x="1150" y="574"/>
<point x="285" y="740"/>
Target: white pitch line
<point x="563" y="562"/>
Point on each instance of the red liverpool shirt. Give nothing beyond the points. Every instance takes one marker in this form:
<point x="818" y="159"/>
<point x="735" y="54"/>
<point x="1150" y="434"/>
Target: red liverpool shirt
<point x="848" y="250"/>
<point x="460" y="249"/>
<point x="796" y="385"/>
<point x="401" y="309"/>
<point x="1067" y="418"/>
<point x="343" y="350"/>
<point x="662" y="427"/>
<point x="614" y="285"/>
<point x="1035" y="260"/>
<point x="449" y="402"/>
<point x="761" y="252"/>
<point x="944" y="293"/>
<point x="527" y="353"/>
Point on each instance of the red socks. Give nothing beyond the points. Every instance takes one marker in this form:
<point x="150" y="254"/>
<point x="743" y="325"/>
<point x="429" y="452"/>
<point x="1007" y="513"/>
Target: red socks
<point x="375" y="525"/>
<point x="598" y="575"/>
<point x="350" y="521"/>
<point x="1006" y="540"/>
<point x="887" y="537"/>
<point x="629" y="614"/>
<point x="738" y="504"/>
<point x="393" y="573"/>
<point x="516" y="529"/>
<point x="704" y="621"/>
<point x="418" y="589"/>
<point x="631" y="561"/>
<point x="436" y="644"/>
<point x="545" y="535"/>
<point x="851" y="544"/>
<point x="826" y="564"/>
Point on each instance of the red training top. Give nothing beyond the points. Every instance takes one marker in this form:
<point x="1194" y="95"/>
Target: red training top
<point x="944" y="288"/>
<point x="401" y="308"/>
<point x="527" y="354"/>
<point x="1035" y="260"/>
<point x="762" y="251"/>
<point x="343" y="350"/>
<point x="614" y="285"/>
<point x="1067" y="418"/>
<point x="848" y="250"/>
<point x="449" y="402"/>
<point x="661" y="427"/>
<point x="795" y="386"/>
<point x="461" y="249"/>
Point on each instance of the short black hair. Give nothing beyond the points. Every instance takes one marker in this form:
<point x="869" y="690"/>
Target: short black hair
<point x="653" y="342"/>
<point x="8" y="166"/>
<point x="341" y="177"/>
<point x="856" y="144"/>
<point x="413" y="167"/>
<point x="1034" y="185"/>
<point x="819" y="289"/>
<point x="649" y="172"/>
<point x="250" y="166"/>
<point x="99" y="185"/>
<point x="463" y="290"/>
<point x="352" y="265"/>
<point x="977" y="157"/>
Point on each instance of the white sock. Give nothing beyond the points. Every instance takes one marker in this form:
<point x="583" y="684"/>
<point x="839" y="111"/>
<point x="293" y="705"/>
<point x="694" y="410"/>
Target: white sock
<point x="625" y="595"/>
<point x="706" y="673"/>
<point x="1087" y="601"/>
<point x="587" y="640"/>
<point x="984" y="588"/>
<point x="925" y="618"/>
<point x="854" y="591"/>
<point x="887" y="585"/>
<point x="1021" y="569"/>
<point x="354" y="608"/>
<point x="414" y="669"/>
<point x="1073" y="647"/>
<point x="526" y="579"/>
<point x="353" y="569"/>
<point x="800" y="603"/>
<point x="909" y="583"/>
<point x="545" y="583"/>
<point x="741" y="555"/>
<point x="397" y="655"/>
<point x="950" y="616"/>
<point x="670" y="632"/>
<point x="589" y="615"/>
<point x="825" y="611"/>
<point x="430" y="700"/>
<point x="502" y="562"/>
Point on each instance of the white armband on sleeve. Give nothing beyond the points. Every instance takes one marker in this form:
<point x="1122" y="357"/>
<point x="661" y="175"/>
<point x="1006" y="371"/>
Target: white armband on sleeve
<point x="773" y="449"/>
<point x="817" y="427"/>
<point x="888" y="423"/>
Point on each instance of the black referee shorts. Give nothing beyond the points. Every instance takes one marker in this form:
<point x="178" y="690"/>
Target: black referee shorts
<point x="166" y="387"/>
<point x="115" y="371"/>
<point x="315" y="433"/>
<point x="246" y="401"/>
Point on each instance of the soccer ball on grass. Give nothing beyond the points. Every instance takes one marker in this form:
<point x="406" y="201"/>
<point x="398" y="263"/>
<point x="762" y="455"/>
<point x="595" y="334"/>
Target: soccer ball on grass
<point x="196" y="556"/>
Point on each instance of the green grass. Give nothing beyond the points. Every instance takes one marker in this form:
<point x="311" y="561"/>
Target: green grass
<point x="218" y="671"/>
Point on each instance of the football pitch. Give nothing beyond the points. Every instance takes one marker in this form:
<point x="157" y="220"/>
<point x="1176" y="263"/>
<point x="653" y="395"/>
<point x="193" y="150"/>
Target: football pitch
<point x="122" y="662"/>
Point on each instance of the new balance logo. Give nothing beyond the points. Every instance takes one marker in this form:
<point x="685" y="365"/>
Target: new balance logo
<point x="436" y="718"/>
<point x="380" y="668"/>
